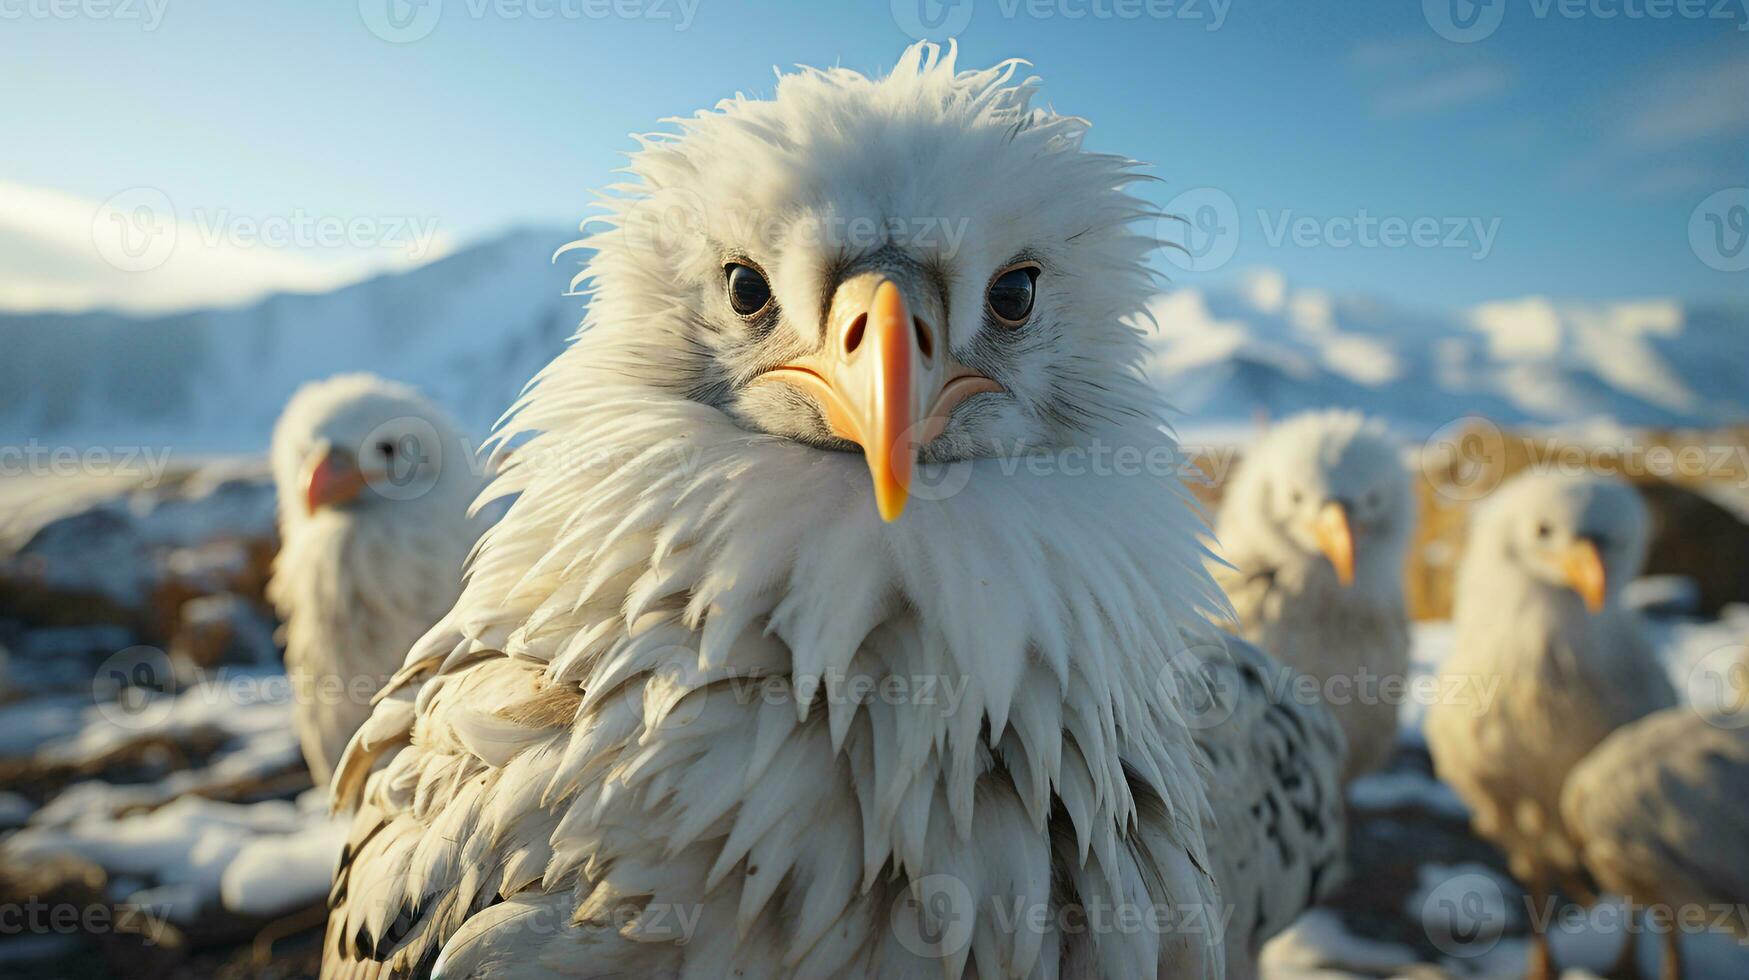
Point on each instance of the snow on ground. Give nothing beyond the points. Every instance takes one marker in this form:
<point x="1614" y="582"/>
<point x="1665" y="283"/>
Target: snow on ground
<point x="173" y="849"/>
<point x="168" y="848"/>
<point x="1475" y="915"/>
<point x="186" y="785"/>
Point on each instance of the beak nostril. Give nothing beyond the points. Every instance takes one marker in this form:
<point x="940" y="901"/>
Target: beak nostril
<point x="853" y="336"/>
<point x="925" y="338"/>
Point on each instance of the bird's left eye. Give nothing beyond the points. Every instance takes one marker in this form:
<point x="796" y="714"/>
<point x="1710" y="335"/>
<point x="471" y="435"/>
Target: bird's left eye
<point x="748" y="290"/>
<point x="1011" y="294"/>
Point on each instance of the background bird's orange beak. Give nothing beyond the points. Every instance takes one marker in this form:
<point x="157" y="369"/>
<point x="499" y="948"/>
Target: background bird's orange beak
<point x="1583" y="567"/>
<point x="883" y="382"/>
<point x="1336" y="540"/>
<point x="334" y="480"/>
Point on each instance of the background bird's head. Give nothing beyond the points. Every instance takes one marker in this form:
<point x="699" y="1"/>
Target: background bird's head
<point x="1324" y="486"/>
<point x="357" y="445"/>
<point x="915" y="267"/>
<point x="1583" y="536"/>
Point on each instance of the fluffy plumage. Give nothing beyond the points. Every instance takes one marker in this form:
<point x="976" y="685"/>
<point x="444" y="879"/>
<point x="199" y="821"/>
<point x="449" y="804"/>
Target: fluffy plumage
<point x="1538" y="611"/>
<point x="1286" y="589"/>
<point x="367" y="566"/>
<point x="1657" y="813"/>
<point x="699" y="711"/>
<point x="1277" y="834"/>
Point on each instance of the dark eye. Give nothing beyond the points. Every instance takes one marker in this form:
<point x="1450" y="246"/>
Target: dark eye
<point x="1011" y="294"/>
<point x="1544" y="531"/>
<point x="387" y="449"/>
<point x="748" y="290"/>
<point x="1296" y="497"/>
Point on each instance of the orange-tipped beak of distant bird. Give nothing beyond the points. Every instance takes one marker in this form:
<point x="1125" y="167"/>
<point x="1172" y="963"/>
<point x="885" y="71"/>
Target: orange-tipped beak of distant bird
<point x="334" y="479"/>
<point x="1336" y="540"/>
<point x="884" y="381"/>
<point x="1583" y="567"/>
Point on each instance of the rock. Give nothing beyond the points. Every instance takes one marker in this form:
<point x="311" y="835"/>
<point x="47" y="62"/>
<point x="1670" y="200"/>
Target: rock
<point x="221" y="629"/>
<point x="133" y="557"/>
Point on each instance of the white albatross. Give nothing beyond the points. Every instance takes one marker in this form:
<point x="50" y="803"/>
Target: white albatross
<point x="374" y="483"/>
<point x="784" y="662"/>
<point x="1548" y="662"/>
<point x="1660" y="814"/>
<point x="1315" y="527"/>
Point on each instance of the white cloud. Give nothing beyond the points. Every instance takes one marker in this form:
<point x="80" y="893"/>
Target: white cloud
<point x="1442" y="90"/>
<point x="1416" y="77"/>
<point x="1688" y="104"/>
<point x="141" y="252"/>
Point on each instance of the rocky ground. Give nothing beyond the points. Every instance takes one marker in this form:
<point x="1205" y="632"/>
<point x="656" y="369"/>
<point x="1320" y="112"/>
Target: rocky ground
<point x="158" y="821"/>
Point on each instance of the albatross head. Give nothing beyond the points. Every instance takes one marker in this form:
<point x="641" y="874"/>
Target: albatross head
<point x="1584" y="536"/>
<point x="356" y="446"/>
<point x="1324" y="486"/>
<point x="917" y="268"/>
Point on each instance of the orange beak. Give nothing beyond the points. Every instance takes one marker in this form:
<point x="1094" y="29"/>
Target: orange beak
<point x="334" y="480"/>
<point x="1583" y="567"/>
<point x="884" y="381"/>
<point x="1336" y="540"/>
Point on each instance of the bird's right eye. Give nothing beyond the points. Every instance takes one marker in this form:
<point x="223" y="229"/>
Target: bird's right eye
<point x="1544" y="531"/>
<point x="1011" y="293"/>
<point x="748" y="291"/>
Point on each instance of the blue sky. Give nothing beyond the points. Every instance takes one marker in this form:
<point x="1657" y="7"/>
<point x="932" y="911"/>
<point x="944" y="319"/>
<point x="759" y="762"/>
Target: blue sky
<point x="1565" y="152"/>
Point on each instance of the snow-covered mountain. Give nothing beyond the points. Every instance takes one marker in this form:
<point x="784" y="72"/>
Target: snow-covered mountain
<point x="1261" y="347"/>
<point x="474" y="327"/>
<point x="471" y="328"/>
